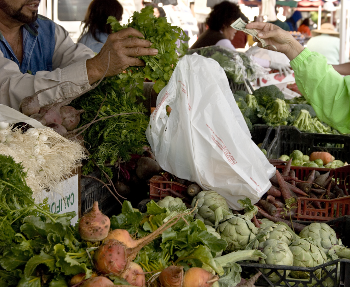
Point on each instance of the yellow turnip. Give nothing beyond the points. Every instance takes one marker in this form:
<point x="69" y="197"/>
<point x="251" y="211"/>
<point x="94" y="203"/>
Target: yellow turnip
<point x="94" y="225"/>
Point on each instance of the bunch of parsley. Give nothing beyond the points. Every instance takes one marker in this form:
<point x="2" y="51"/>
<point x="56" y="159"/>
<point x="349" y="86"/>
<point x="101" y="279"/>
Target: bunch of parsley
<point x="36" y="246"/>
<point x="170" y="42"/>
<point x="120" y="133"/>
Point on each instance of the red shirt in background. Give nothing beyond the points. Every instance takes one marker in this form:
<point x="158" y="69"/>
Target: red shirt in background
<point x="303" y="29"/>
<point x="240" y="40"/>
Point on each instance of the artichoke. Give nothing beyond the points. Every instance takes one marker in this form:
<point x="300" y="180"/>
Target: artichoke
<point x="265" y="223"/>
<point x="211" y="207"/>
<point x="277" y="253"/>
<point x="326" y="239"/>
<point x="169" y="201"/>
<point x="275" y="231"/>
<point x="322" y="234"/>
<point x="306" y="254"/>
<point x="238" y="231"/>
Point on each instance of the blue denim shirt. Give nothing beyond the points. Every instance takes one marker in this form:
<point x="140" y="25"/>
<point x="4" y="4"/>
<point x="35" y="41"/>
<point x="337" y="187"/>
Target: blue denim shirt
<point x="89" y="41"/>
<point x="38" y="46"/>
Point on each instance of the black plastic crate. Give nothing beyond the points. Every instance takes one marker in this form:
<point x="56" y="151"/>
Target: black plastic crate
<point x="93" y="190"/>
<point x="334" y="273"/>
<point x="284" y="139"/>
<point x="339" y="274"/>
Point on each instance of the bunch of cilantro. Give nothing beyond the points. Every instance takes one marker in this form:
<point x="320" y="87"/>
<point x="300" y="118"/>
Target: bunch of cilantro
<point x="37" y="248"/>
<point x="163" y="37"/>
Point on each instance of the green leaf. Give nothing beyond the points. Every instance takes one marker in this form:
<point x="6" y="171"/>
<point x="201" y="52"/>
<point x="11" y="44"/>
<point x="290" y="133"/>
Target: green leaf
<point x="31" y="281"/>
<point x="232" y="276"/>
<point x="154" y="209"/>
<point x="14" y="257"/>
<point x="203" y="254"/>
<point x="60" y="281"/>
<point x="68" y="264"/>
<point x="129" y="219"/>
<point x="36" y="260"/>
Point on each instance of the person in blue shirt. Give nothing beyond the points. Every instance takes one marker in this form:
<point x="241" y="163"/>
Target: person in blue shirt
<point x="37" y="54"/>
<point x="96" y="30"/>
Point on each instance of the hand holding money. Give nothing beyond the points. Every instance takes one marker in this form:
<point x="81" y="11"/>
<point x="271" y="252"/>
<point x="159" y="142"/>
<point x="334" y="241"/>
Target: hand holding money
<point x="274" y="36"/>
<point x="240" y="25"/>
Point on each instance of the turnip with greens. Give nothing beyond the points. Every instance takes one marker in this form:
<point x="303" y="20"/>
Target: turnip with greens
<point x="94" y="226"/>
<point x="134" y="275"/>
<point x="198" y="277"/>
<point x="29" y="106"/>
<point x="114" y="256"/>
<point x="172" y="276"/>
<point x="99" y="281"/>
<point x="70" y="117"/>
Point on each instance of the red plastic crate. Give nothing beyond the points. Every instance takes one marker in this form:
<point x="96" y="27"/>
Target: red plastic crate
<point x="159" y="188"/>
<point x="332" y="208"/>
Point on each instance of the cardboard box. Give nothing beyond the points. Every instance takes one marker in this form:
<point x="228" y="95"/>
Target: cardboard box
<point x="66" y="197"/>
<point x="274" y="79"/>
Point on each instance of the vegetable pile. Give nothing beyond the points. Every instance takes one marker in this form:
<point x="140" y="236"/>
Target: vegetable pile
<point x="237" y="66"/>
<point x="268" y="106"/>
<point x="115" y="121"/>
<point x="47" y="157"/>
<point x="318" y="159"/>
<point x="168" y="245"/>
<point x="280" y="202"/>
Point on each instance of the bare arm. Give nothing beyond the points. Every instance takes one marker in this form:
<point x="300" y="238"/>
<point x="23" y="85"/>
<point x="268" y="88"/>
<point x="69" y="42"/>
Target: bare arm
<point x="343" y="69"/>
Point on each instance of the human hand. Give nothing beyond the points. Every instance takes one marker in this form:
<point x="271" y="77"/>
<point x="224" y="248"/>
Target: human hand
<point x="281" y="67"/>
<point x="118" y="53"/>
<point x="274" y="36"/>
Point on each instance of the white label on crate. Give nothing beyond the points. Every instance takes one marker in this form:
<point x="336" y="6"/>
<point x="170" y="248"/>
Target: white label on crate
<point x="66" y="198"/>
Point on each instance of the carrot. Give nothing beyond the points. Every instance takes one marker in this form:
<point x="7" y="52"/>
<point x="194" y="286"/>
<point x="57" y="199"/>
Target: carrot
<point x="256" y="222"/>
<point x="286" y="214"/>
<point x="288" y="196"/>
<point x="296" y="226"/>
<point x="274" y="191"/>
<point x="315" y="203"/>
<point x="325" y="156"/>
<point x="274" y="201"/>
<point x="321" y="180"/>
<point x="293" y="188"/>
<point x="268" y="207"/>
<point x="305" y="186"/>
<point x="317" y="190"/>
<point x="328" y="180"/>
<point x="287" y="168"/>
<point x="338" y="191"/>
<point x="292" y="175"/>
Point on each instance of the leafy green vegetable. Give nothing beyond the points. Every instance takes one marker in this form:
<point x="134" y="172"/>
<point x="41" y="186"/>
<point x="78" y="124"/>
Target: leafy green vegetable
<point x="35" y="245"/>
<point x="236" y="65"/>
<point x="120" y="133"/>
<point x="163" y="37"/>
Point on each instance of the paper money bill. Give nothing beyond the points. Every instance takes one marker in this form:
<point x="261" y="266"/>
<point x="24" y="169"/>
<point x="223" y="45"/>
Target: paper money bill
<point x="239" y="24"/>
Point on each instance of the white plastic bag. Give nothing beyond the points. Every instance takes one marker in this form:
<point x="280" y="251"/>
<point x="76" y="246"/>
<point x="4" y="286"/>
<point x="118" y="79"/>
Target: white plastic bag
<point x="205" y="138"/>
